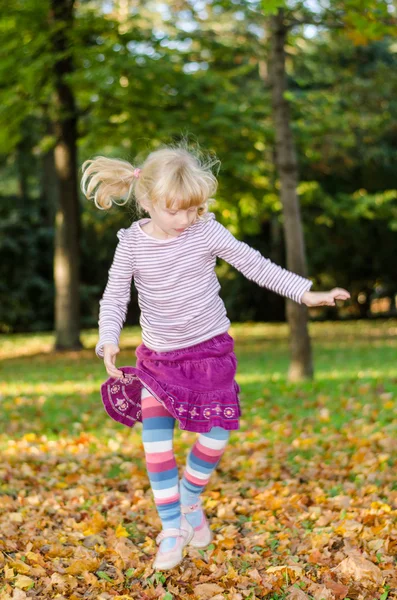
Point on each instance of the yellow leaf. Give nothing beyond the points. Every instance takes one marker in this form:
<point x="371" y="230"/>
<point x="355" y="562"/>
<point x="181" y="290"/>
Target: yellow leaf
<point x="381" y="506"/>
<point x="23" y="582"/>
<point x="78" y="567"/>
<point x="20" y="566"/>
<point x="349" y="526"/>
<point x="33" y="557"/>
<point x="15" y="517"/>
<point x="121" y="531"/>
<point x="95" y="525"/>
<point x="232" y="573"/>
<point x="320" y="540"/>
<point x="259" y="515"/>
<point x="388" y="405"/>
<point x="228" y="543"/>
<point x="303" y="442"/>
<point x="377" y="529"/>
<point x="126" y="597"/>
<point x="294" y="568"/>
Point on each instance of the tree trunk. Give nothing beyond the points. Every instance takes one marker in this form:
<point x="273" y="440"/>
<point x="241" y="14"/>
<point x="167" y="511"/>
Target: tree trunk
<point x="301" y="366"/>
<point x="49" y="183"/>
<point x="67" y="218"/>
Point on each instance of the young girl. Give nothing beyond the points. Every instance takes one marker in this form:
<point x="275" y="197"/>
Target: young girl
<point x="185" y="369"/>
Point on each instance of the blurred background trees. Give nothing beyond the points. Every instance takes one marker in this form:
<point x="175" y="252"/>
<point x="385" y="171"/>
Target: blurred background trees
<point x="144" y="73"/>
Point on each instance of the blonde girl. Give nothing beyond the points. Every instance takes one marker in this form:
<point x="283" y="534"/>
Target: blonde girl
<point x="186" y="365"/>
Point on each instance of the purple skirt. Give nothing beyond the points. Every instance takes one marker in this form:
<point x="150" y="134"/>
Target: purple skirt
<point x="196" y="385"/>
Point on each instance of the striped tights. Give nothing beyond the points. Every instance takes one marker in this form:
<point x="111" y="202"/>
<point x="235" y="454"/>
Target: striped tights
<point x="157" y="436"/>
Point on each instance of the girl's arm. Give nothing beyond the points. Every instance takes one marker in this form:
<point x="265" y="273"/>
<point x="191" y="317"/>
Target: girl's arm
<point x="325" y="298"/>
<point x="253" y="265"/>
<point x="117" y="294"/>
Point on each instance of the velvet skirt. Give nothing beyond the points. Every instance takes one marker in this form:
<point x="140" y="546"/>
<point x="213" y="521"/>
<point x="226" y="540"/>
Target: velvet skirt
<point x="196" y="385"/>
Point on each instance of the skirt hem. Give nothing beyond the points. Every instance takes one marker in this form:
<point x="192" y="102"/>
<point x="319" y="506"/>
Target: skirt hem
<point x="197" y="388"/>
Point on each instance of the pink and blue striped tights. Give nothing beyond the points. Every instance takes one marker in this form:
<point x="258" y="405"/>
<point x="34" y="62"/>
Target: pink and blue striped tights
<point x="157" y="436"/>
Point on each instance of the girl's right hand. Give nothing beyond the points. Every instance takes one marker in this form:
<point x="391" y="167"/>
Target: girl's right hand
<point x="109" y="358"/>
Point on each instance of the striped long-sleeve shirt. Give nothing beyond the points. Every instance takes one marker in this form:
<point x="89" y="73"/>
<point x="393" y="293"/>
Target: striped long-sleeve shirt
<point x="178" y="290"/>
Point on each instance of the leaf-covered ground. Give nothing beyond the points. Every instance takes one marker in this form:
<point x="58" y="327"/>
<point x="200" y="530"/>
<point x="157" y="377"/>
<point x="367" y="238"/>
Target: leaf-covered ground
<point x="303" y="504"/>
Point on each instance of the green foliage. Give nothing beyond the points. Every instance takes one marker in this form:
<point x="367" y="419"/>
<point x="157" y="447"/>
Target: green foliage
<point x="26" y="291"/>
<point x="270" y="7"/>
<point x="144" y="79"/>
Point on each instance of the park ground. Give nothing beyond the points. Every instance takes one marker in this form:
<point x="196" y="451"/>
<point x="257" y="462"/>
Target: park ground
<point x="303" y="503"/>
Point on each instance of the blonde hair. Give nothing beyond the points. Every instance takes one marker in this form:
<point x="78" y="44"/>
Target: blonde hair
<point x="175" y="175"/>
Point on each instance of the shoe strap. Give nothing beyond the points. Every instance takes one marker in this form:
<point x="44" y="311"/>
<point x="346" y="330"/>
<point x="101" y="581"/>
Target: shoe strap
<point x="172" y="532"/>
<point x="190" y="507"/>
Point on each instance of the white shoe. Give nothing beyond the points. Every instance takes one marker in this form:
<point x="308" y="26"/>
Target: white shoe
<point x="172" y="558"/>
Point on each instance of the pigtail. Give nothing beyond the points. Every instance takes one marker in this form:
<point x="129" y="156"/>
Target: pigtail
<point x="108" y="181"/>
<point x="170" y="176"/>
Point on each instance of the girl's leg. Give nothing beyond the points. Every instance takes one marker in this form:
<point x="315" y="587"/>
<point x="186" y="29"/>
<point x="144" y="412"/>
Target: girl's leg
<point x="201" y="462"/>
<point x="157" y="436"/>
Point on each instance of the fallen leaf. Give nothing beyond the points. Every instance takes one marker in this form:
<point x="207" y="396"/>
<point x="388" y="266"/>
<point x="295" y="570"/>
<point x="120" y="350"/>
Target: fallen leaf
<point x="95" y="525"/>
<point x="294" y="568"/>
<point x="359" y="568"/>
<point x="339" y="590"/>
<point x="23" y="582"/>
<point x="206" y="591"/>
<point x="121" y="531"/>
<point x="78" y="567"/>
<point x="297" y="594"/>
<point x="19" y="595"/>
<point x="322" y="593"/>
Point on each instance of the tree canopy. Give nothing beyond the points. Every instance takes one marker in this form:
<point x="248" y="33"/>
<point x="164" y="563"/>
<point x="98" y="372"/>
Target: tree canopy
<point x="147" y="73"/>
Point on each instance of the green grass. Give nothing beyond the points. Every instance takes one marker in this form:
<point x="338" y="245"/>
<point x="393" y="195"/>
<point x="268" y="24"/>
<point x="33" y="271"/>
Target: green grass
<point x="54" y="394"/>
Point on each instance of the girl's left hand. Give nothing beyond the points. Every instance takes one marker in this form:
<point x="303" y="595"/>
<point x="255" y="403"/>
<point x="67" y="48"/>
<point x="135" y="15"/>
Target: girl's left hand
<point x="325" y="298"/>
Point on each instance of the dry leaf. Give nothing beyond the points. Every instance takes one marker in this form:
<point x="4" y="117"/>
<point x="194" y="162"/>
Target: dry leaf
<point x="19" y="595"/>
<point x="294" y="568"/>
<point x="322" y="593"/>
<point x="206" y="591"/>
<point x="63" y="582"/>
<point x="339" y="590"/>
<point x="255" y="575"/>
<point x="316" y="501"/>
<point x="297" y="594"/>
<point x="95" y="525"/>
<point x="20" y="567"/>
<point x="77" y="567"/>
<point x="121" y="531"/>
<point x="359" y="568"/>
<point x="23" y="582"/>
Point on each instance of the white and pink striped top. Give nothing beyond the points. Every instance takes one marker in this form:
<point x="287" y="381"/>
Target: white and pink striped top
<point x="178" y="290"/>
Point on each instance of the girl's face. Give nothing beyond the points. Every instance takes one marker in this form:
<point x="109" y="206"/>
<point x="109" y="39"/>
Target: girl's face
<point x="171" y="221"/>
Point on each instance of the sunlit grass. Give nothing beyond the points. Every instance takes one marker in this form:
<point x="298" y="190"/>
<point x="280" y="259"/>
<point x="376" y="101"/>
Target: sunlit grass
<point x="58" y="393"/>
